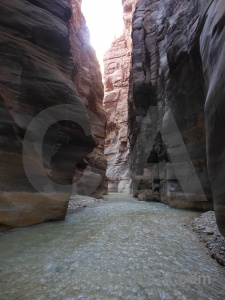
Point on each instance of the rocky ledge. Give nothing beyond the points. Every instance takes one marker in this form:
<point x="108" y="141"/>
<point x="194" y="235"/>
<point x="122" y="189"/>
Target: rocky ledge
<point x="206" y="228"/>
<point x="77" y="203"/>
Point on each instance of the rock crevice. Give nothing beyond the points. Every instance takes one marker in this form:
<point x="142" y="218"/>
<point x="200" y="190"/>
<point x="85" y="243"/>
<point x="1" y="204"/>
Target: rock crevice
<point x="116" y="77"/>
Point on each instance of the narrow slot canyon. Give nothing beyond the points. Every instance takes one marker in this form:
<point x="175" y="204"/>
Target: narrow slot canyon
<point x="112" y="149"/>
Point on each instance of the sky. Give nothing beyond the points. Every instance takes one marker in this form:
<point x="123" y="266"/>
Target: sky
<point x="104" y="19"/>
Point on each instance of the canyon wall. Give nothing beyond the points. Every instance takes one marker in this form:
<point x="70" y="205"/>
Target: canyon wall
<point x="116" y="80"/>
<point x="90" y="177"/>
<point x="176" y="101"/>
<point x="45" y="127"/>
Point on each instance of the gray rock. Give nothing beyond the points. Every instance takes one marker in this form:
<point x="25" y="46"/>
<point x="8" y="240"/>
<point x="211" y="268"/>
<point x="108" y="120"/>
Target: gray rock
<point x="177" y="64"/>
<point x="209" y="231"/>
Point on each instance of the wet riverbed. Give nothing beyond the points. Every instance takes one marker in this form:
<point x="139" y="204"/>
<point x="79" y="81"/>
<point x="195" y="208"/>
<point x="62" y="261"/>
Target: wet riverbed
<point x="123" y="249"/>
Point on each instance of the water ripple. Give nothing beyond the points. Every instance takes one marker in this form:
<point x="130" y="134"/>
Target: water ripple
<point x="123" y="249"/>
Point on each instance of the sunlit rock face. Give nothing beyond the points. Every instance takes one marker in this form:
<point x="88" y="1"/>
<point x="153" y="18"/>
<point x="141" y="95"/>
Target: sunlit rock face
<point x="88" y="81"/>
<point x="178" y="68"/>
<point x="116" y="76"/>
<point x="40" y="68"/>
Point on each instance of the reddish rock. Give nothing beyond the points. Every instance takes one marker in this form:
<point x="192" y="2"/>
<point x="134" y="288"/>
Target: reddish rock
<point x="38" y="72"/>
<point x="88" y="81"/>
<point x="116" y="80"/>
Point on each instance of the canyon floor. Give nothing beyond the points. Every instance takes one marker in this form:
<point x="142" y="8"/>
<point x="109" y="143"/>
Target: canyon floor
<point x="119" y="248"/>
<point x="204" y="225"/>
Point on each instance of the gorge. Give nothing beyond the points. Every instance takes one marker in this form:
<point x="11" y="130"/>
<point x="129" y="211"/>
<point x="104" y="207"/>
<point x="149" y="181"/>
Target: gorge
<point x="164" y="129"/>
<point x="174" y="104"/>
<point x="150" y="129"/>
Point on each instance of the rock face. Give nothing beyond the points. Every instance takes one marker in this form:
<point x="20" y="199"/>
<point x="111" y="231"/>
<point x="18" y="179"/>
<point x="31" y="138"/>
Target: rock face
<point x="211" y="36"/>
<point x="88" y="81"/>
<point x="176" y="87"/>
<point x="39" y="75"/>
<point x="116" y="75"/>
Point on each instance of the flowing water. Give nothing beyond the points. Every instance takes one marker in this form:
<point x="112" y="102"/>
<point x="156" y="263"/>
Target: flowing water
<point x="123" y="249"/>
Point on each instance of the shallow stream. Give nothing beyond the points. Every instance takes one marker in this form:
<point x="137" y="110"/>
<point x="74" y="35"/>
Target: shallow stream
<point x="122" y="249"/>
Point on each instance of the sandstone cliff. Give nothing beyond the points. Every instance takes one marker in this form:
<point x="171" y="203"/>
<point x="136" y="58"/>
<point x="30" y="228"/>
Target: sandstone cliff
<point x="88" y="81"/>
<point x="38" y="72"/>
<point x="116" y="76"/>
<point x="178" y="67"/>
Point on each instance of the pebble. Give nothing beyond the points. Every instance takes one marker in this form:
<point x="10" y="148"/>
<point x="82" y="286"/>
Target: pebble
<point x="197" y="219"/>
<point x="201" y="227"/>
<point x="209" y="231"/>
<point x="59" y="269"/>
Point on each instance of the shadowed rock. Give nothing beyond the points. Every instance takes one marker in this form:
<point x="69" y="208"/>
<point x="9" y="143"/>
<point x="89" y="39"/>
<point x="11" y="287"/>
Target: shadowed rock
<point x="178" y="66"/>
<point x="37" y="72"/>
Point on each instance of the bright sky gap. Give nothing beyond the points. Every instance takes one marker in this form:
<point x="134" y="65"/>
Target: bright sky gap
<point x="104" y="19"/>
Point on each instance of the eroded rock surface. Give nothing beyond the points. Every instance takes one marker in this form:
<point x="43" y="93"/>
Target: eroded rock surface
<point x="178" y="67"/>
<point x="208" y="233"/>
<point x="88" y="81"/>
<point x="116" y="75"/>
<point x="38" y="71"/>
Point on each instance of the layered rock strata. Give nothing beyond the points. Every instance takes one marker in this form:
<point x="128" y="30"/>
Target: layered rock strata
<point x="39" y="155"/>
<point x="178" y="68"/>
<point x="116" y="80"/>
<point x="88" y="81"/>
